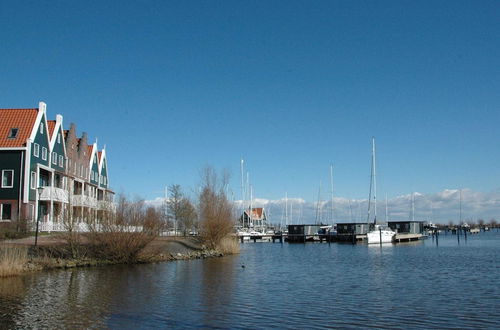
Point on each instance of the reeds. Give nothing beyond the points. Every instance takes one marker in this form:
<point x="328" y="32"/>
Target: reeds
<point x="13" y="260"/>
<point x="229" y="245"/>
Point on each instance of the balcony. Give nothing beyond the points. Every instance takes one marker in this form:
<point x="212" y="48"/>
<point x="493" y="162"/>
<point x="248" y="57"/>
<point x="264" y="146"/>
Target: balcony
<point x="84" y="200"/>
<point x="106" y="205"/>
<point x="54" y="194"/>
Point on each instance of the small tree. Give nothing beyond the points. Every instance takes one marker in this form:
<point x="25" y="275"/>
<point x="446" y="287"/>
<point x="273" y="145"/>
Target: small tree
<point x="215" y="211"/>
<point x="180" y="209"/>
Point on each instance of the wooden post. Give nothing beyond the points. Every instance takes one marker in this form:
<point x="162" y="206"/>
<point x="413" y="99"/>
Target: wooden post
<point x="380" y="235"/>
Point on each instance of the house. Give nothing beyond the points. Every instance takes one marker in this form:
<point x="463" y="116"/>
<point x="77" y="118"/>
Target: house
<point x="255" y="219"/>
<point x="48" y="172"/>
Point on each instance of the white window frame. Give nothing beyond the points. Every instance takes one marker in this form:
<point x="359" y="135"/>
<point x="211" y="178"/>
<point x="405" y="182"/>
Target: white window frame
<point x="61" y="161"/>
<point x="12" y="179"/>
<point x="59" y="137"/>
<point x="33" y="180"/>
<point x="44" y="153"/>
<point x="36" y="149"/>
<point x="41" y="128"/>
<point x="54" y="157"/>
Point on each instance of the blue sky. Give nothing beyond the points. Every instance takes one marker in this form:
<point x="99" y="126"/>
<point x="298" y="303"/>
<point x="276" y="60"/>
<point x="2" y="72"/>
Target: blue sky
<point x="290" y="86"/>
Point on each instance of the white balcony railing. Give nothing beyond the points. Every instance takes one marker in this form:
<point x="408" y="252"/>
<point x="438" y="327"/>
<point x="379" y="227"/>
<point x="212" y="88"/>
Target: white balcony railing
<point x="83" y="200"/>
<point x="106" y="205"/>
<point x="54" y="194"/>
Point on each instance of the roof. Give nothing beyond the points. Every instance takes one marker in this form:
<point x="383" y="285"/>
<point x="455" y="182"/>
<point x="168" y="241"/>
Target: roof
<point x="22" y="119"/>
<point x="51" y="125"/>
<point x="89" y="149"/>
<point x="99" y="154"/>
<point x="257" y="213"/>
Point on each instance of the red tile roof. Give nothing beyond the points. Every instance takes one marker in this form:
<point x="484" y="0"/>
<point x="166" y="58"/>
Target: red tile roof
<point x="51" y="126"/>
<point x="22" y="119"/>
<point x="89" y="149"/>
<point x="99" y="154"/>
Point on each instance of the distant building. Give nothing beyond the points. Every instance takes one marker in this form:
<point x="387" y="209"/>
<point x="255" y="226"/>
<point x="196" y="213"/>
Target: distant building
<point x="407" y="227"/>
<point x="255" y="219"/>
<point x="38" y="153"/>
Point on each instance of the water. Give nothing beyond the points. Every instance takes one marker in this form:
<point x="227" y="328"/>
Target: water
<point x="414" y="285"/>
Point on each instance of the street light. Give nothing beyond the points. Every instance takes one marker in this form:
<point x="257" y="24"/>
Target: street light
<point x="40" y="190"/>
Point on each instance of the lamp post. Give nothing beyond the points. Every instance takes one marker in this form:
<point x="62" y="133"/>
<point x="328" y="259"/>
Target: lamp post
<point x="40" y="190"/>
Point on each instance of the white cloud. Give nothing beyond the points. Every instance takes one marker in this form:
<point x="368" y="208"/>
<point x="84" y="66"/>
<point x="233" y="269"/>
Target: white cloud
<point x="440" y="207"/>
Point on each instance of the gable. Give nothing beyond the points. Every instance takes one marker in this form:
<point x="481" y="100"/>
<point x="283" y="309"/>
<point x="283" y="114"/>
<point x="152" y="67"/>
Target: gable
<point x="21" y="119"/>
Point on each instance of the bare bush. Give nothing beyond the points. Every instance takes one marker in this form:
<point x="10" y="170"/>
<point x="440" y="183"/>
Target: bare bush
<point x="120" y="236"/>
<point x="215" y="211"/>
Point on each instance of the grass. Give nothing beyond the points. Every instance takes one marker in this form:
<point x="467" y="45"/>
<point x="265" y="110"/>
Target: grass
<point x="13" y="260"/>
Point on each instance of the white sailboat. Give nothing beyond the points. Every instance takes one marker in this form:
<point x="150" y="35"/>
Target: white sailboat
<point x="381" y="233"/>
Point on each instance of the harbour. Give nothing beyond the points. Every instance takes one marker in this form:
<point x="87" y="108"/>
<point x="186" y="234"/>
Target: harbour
<point x="319" y="285"/>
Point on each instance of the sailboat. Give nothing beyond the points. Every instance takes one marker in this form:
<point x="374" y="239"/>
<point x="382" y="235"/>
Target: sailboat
<point x="381" y="233"/>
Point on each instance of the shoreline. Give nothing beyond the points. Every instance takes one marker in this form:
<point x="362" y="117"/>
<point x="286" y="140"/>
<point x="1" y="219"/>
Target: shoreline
<point x="161" y="249"/>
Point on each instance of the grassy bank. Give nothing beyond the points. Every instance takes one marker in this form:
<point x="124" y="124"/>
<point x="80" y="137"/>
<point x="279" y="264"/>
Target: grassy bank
<point x="19" y="257"/>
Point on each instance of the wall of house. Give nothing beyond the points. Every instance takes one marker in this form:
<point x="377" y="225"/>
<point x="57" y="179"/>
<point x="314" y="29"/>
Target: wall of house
<point x="11" y="160"/>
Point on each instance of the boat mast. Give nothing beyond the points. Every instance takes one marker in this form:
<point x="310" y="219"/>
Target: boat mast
<point x="386" y="211"/>
<point x="373" y="186"/>
<point x="374" y="181"/>
<point x="331" y="189"/>
<point x="251" y="209"/>
<point x="242" y="193"/>
<point x="460" y="207"/>
<point x="286" y="209"/>
<point x="412" y="206"/>
<point x="318" y="215"/>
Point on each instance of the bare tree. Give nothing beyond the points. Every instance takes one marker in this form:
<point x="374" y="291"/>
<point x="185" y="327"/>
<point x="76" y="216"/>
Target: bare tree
<point x="180" y="209"/>
<point x="215" y="211"/>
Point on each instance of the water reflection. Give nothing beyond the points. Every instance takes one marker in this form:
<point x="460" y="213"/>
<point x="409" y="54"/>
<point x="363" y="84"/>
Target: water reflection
<point x="414" y="284"/>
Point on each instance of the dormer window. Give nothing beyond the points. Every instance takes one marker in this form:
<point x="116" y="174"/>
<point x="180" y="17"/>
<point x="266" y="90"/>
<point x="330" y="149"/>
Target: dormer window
<point x="13" y="133"/>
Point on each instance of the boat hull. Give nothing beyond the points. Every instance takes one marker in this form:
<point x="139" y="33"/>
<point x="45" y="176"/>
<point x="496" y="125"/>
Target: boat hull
<point x="375" y="236"/>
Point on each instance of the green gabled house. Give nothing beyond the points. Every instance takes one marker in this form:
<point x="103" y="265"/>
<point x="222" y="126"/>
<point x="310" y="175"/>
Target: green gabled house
<point x="47" y="173"/>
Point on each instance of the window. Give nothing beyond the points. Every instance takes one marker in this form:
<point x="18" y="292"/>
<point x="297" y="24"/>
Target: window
<point x="54" y="158"/>
<point x="5" y="211"/>
<point x="58" y="137"/>
<point x="36" y="149"/>
<point x="41" y="128"/>
<point x="44" y="153"/>
<point x="33" y="180"/>
<point x="13" y="133"/>
<point x="7" y="178"/>
<point x="61" y="161"/>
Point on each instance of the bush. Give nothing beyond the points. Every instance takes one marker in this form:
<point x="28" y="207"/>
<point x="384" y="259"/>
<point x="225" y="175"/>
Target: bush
<point x="216" y="213"/>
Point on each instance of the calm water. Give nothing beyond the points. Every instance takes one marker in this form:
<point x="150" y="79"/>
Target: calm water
<point x="415" y="285"/>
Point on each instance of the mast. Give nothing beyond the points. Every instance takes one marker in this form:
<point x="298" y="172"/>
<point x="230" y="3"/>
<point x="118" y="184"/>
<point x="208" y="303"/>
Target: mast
<point x="286" y="208"/>
<point x="374" y="180"/>
<point x="412" y="206"/>
<point x="291" y="212"/>
<point x="251" y="209"/>
<point x="242" y="194"/>
<point x="318" y="215"/>
<point x="460" y="207"/>
<point x="331" y="189"/>
<point x="373" y="186"/>
<point x="386" y="211"/>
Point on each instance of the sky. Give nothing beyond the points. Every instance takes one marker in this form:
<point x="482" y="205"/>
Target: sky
<point x="291" y="87"/>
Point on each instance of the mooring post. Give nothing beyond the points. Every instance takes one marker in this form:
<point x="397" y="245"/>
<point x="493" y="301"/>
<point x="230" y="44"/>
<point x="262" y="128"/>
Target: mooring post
<point x="380" y="235"/>
<point x="241" y="238"/>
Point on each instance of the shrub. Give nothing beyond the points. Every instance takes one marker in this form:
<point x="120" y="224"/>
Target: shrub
<point x="216" y="213"/>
